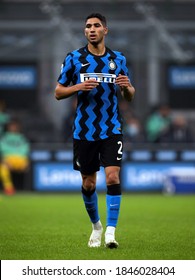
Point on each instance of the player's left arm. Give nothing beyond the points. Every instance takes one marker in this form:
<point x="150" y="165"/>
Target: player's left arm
<point x="127" y="90"/>
<point x="123" y="80"/>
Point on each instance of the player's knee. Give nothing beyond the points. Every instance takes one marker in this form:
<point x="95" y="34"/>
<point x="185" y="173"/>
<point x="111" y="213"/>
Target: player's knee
<point x="112" y="178"/>
<point x="89" y="183"/>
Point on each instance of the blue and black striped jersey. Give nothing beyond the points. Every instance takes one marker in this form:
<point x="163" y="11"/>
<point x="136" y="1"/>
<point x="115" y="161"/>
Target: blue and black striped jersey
<point x="97" y="114"/>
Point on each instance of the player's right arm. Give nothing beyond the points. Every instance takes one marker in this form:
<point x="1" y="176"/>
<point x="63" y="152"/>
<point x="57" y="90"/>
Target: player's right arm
<point x="64" y="87"/>
<point x="62" y="92"/>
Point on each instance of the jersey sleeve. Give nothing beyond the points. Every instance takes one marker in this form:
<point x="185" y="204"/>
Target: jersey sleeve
<point x="124" y="69"/>
<point x="67" y="70"/>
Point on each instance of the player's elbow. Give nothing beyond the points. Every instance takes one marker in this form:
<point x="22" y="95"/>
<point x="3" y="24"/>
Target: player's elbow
<point x="58" y="92"/>
<point x="57" y="96"/>
<point x="132" y="94"/>
<point x="129" y="94"/>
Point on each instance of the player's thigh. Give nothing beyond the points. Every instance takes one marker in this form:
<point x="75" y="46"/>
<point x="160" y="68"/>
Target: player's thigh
<point x="86" y="156"/>
<point x="111" y="151"/>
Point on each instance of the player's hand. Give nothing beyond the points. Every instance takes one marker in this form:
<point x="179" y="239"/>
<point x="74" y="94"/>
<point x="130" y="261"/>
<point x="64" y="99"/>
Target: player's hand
<point x="127" y="90"/>
<point x="123" y="81"/>
<point x="89" y="85"/>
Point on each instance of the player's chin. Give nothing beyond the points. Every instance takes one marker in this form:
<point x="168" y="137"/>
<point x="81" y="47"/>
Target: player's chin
<point x="93" y="41"/>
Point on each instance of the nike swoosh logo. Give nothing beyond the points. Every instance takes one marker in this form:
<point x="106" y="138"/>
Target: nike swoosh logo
<point x="118" y="158"/>
<point x="113" y="205"/>
<point x="85" y="64"/>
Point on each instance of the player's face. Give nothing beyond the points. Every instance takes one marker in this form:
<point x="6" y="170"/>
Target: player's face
<point x="95" y="31"/>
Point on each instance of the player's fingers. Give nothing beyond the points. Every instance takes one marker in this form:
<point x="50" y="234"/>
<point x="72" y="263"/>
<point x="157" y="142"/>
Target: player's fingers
<point x="122" y="78"/>
<point x="122" y="81"/>
<point x="92" y="84"/>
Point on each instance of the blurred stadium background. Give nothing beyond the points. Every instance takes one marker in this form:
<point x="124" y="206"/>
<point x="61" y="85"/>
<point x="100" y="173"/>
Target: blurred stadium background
<point x="158" y="39"/>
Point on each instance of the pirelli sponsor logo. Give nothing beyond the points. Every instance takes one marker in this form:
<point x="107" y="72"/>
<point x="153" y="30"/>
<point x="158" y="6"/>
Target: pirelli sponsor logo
<point x="100" y="77"/>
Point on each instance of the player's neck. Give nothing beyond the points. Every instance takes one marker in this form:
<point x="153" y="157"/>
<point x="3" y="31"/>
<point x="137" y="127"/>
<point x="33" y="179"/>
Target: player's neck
<point x="97" y="49"/>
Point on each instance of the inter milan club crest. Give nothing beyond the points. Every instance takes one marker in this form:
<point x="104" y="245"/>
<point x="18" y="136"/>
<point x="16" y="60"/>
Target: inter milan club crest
<point x="112" y="65"/>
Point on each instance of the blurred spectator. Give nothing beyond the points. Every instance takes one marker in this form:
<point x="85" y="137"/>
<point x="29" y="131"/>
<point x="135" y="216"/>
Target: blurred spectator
<point x="14" y="149"/>
<point x="178" y="132"/>
<point x="126" y="113"/>
<point x="4" y="116"/>
<point x="158" y="123"/>
<point x="133" y="131"/>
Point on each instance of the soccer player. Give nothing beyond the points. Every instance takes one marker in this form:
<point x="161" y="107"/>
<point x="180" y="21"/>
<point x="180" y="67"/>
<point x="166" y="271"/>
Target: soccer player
<point x="95" y="73"/>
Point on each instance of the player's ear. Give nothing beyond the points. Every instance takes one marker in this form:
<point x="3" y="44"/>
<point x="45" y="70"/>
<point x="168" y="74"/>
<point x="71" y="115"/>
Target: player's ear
<point x="105" y="30"/>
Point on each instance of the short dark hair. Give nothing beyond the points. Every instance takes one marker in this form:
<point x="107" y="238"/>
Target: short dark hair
<point x="99" y="16"/>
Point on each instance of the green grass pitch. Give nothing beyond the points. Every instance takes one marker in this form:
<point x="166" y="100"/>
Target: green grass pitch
<point x="56" y="227"/>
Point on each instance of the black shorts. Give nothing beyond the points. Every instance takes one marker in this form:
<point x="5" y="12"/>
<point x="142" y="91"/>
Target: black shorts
<point x="90" y="155"/>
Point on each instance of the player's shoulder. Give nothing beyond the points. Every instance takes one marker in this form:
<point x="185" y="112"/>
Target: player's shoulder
<point x="76" y="52"/>
<point x="116" y="53"/>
